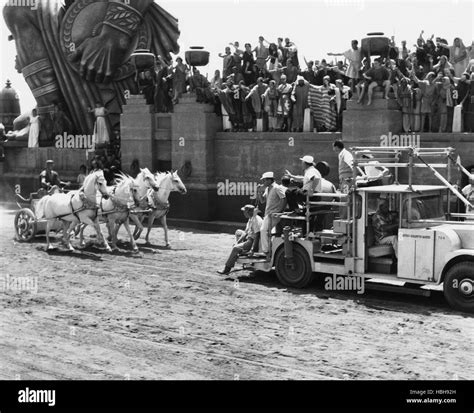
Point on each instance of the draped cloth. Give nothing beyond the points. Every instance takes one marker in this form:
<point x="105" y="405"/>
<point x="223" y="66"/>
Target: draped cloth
<point x="321" y="109"/>
<point x="161" y="32"/>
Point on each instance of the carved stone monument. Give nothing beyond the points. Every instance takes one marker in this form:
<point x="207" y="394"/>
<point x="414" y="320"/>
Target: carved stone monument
<point x="79" y="55"/>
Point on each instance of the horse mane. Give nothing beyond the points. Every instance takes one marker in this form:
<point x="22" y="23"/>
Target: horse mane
<point x="121" y="177"/>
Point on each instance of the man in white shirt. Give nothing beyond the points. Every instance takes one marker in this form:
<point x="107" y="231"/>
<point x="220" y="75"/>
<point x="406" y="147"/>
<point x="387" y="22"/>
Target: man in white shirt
<point x="346" y="166"/>
<point x="274" y="197"/>
<point x="296" y="195"/>
<point x="246" y="240"/>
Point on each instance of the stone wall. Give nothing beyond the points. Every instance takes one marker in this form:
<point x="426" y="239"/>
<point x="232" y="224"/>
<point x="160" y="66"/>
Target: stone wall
<point x="225" y="166"/>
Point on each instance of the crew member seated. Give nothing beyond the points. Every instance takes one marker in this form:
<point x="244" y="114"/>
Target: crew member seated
<point x="385" y="226"/>
<point x="297" y="195"/>
<point x="49" y="177"/>
<point x="247" y="240"/>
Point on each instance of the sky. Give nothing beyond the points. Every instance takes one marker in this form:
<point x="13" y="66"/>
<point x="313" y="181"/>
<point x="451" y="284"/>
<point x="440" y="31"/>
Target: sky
<point x="315" y="26"/>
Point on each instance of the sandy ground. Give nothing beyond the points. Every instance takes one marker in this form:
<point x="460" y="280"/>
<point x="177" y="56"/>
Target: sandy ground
<point x="166" y="314"/>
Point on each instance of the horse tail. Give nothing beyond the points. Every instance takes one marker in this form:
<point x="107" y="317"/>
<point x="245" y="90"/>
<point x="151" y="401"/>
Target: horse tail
<point x="40" y="206"/>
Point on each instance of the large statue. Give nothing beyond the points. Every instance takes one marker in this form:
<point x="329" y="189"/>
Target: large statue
<point x="77" y="55"/>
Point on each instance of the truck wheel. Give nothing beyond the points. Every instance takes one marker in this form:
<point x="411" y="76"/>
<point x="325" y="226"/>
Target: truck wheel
<point x="299" y="274"/>
<point x="25" y="225"/>
<point x="459" y="286"/>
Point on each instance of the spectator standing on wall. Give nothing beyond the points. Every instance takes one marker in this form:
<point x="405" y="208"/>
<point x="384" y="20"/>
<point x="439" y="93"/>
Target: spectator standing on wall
<point x="275" y="69"/>
<point x="291" y="71"/>
<point x="228" y="62"/>
<point x="428" y="99"/>
<point x="354" y="56"/>
<point x="283" y="50"/>
<point x="256" y="97"/>
<point x="271" y="98"/>
<point x="405" y="100"/>
<point x="458" y="57"/>
<point x="216" y="81"/>
<point x="442" y="65"/>
<point x="462" y="90"/>
<point x="180" y="72"/>
<point x="261" y="53"/>
<point x="292" y="52"/>
<point x="284" y="91"/>
<point x="248" y="63"/>
<point x="422" y="54"/>
<point x="237" y="56"/>
<point x="444" y="103"/>
<point x="322" y="72"/>
<point x="394" y="77"/>
<point x="469" y="116"/>
<point x="299" y="97"/>
<point x="309" y="74"/>
<point x="236" y="76"/>
<point x="342" y="95"/>
<point x="417" y="95"/>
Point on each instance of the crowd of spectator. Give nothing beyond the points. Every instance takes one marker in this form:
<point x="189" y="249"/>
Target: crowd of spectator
<point x="272" y="83"/>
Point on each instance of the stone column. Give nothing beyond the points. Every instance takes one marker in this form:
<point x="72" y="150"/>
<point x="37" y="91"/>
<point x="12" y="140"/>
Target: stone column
<point x="137" y="129"/>
<point x="194" y="126"/>
<point x="366" y="124"/>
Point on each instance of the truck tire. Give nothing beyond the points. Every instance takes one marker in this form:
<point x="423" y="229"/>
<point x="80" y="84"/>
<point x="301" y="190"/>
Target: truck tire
<point x="299" y="276"/>
<point x="458" y="286"/>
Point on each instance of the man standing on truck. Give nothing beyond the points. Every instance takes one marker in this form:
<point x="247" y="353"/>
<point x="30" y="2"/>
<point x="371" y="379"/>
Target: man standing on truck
<point x="273" y="195"/>
<point x="385" y="224"/>
<point x="346" y="166"/>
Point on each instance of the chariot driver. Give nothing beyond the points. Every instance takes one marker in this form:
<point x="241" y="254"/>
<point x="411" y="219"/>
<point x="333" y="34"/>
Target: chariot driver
<point x="50" y="178"/>
<point x="79" y="54"/>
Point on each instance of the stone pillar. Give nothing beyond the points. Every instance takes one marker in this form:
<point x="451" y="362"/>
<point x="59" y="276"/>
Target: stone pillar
<point x="194" y="127"/>
<point x="137" y="132"/>
<point x="366" y="124"/>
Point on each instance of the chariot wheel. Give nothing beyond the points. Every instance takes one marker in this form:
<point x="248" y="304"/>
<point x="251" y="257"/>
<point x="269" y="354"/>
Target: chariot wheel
<point x="459" y="286"/>
<point x="298" y="274"/>
<point x="25" y="225"/>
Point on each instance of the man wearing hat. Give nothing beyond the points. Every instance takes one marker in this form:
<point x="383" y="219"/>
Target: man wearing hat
<point x="274" y="196"/>
<point x="49" y="177"/>
<point x="246" y="240"/>
<point x="299" y="97"/>
<point x="297" y="195"/>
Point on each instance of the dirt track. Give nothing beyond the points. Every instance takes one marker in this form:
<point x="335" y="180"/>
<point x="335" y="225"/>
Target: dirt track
<point x="166" y="314"/>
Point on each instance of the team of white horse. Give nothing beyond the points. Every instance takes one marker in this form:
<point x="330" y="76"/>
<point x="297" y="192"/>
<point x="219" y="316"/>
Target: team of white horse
<point x="95" y="202"/>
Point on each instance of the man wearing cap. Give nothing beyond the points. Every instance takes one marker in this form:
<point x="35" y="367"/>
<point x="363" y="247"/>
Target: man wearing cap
<point x="296" y="195"/>
<point x="274" y="197"/>
<point x="49" y="177"/>
<point x="299" y="97"/>
<point x="246" y="240"/>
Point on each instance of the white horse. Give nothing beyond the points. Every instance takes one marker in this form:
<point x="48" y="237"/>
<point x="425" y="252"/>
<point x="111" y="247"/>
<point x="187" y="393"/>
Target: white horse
<point x="74" y="207"/>
<point x="115" y="208"/>
<point x="158" y="200"/>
